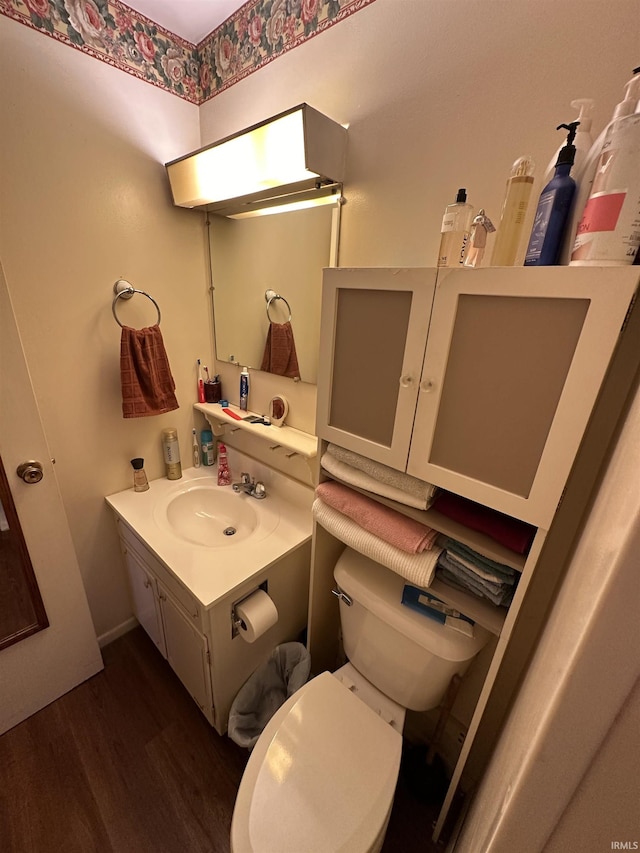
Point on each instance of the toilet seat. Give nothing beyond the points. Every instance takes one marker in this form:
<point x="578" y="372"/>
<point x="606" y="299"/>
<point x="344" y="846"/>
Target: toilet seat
<point x="321" y="777"/>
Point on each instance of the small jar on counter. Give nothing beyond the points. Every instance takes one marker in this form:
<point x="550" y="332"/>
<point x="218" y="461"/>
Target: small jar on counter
<point x="140" y="482"/>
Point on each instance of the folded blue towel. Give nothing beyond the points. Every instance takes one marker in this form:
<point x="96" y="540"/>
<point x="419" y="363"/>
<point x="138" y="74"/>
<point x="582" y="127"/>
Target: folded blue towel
<point x="466" y="553"/>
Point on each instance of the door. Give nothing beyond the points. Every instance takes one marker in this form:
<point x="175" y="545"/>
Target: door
<point x="372" y="339"/>
<point x="50" y="662"/>
<point x="513" y="365"/>
<point x="187" y="652"/>
<point x="146" y="605"/>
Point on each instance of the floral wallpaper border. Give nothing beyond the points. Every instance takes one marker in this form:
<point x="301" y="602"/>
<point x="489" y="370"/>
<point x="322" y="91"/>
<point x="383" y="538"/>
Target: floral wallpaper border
<point x="108" y="30"/>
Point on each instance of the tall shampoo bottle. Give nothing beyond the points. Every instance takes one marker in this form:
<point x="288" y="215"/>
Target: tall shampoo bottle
<point x="608" y="232"/>
<point x="455" y="230"/>
<point x="593" y="161"/>
<point x="554" y="206"/>
<point x="514" y="212"/>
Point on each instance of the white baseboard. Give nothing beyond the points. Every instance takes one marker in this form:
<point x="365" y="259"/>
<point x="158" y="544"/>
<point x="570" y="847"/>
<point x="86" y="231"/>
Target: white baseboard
<point x="118" y="631"/>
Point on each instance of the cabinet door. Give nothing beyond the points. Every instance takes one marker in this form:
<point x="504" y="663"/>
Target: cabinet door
<point x="145" y="601"/>
<point x="372" y="338"/>
<point x="187" y="651"/>
<point x="513" y="365"/>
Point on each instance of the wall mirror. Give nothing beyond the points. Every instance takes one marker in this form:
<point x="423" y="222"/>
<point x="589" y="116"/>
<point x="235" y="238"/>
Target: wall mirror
<point x="283" y="252"/>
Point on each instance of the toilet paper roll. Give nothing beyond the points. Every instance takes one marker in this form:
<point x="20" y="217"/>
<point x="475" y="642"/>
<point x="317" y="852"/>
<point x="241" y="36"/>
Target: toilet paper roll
<point x="257" y="613"/>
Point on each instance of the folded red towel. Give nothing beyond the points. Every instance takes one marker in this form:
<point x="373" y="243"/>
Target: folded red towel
<point x="147" y="384"/>
<point x="511" y="532"/>
<point x="280" y="355"/>
<point x="384" y="522"/>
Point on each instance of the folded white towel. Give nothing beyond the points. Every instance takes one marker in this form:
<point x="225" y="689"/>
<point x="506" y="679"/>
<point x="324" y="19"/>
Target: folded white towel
<point x="360" y="480"/>
<point x="391" y="476"/>
<point x="419" y="569"/>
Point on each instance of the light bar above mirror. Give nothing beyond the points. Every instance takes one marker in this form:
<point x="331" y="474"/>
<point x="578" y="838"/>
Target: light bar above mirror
<point x="296" y="155"/>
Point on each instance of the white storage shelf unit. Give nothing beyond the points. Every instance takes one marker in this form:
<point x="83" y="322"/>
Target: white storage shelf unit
<point x="481" y="382"/>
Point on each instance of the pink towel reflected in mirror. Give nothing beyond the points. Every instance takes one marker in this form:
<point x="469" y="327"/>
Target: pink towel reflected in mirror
<point x="280" y="351"/>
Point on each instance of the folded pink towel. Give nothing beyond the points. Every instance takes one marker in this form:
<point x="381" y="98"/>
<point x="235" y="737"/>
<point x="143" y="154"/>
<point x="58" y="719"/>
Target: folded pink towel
<point x="402" y="532"/>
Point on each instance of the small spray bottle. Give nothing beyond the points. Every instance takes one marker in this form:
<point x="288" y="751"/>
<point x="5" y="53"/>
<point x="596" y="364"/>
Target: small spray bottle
<point x="480" y="227"/>
<point x="455" y="230"/>
<point x="514" y="212"/>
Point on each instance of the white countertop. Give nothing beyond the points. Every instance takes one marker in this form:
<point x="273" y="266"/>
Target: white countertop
<point x="211" y="572"/>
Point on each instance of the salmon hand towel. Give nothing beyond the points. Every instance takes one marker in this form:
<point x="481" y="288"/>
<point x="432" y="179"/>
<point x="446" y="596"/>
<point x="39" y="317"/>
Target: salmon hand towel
<point x="147" y="384"/>
<point x="280" y="355"/>
<point x="402" y="532"/>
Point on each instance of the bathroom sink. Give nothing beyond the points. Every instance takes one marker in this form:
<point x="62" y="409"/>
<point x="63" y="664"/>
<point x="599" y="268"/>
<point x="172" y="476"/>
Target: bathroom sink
<point x="203" y="513"/>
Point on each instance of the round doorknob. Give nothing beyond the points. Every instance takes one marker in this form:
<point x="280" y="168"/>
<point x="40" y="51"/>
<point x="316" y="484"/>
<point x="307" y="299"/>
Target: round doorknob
<point x="30" y="472"/>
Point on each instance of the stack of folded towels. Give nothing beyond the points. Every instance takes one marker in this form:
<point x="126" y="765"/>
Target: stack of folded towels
<point x="401" y="544"/>
<point x="465" y="569"/>
<point x="363" y="473"/>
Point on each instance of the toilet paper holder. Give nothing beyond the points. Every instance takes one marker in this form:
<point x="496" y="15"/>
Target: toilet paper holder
<point x="236" y="621"/>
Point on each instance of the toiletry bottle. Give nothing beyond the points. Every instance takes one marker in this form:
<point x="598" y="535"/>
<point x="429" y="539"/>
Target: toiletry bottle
<point x="554" y="206"/>
<point x="195" y="449"/>
<point x="480" y="227"/>
<point x="171" y="451"/>
<point x="582" y="142"/>
<point x="455" y="230"/>
<point x="200" y="384"/>
<point x="140" y="482"/>
<point x="625" y="108"/>
<point x="244" y="389"/>
<point x="514" y="212"/>
<point x="608" y="232"/>
<point x="208" y="447"/>
<point x="224" y="474"/>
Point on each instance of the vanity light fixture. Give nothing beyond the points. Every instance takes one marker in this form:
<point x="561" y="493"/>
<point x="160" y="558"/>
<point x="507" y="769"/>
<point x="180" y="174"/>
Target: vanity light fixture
<point x="297" y="156"/>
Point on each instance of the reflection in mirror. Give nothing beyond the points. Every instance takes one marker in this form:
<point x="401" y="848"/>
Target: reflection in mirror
<point x="22" y="611"/>
<point x="284" y="252"/>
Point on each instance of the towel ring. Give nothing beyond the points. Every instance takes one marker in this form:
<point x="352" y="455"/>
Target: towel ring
<point x="271" y="296"/>
<point x="123" y="290"/>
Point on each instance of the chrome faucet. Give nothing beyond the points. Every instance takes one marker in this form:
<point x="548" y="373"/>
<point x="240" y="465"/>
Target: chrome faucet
<point x="249" y="486"/>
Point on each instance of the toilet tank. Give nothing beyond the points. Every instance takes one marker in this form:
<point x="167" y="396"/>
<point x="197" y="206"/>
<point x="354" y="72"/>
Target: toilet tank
<point x="408" y="656"/>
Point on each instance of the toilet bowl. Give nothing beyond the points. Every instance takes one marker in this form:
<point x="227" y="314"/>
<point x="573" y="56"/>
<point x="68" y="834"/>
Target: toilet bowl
<point x="322" y="775"/>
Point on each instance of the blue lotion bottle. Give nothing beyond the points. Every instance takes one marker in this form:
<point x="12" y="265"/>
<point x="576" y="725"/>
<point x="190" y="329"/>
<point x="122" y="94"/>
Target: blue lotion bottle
<point x="554" y="206"/>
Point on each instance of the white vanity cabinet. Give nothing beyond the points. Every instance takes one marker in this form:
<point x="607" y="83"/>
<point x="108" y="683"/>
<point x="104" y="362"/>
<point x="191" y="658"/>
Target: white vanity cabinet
<point x="171" y="617"/>
<point x="478" y="381"/>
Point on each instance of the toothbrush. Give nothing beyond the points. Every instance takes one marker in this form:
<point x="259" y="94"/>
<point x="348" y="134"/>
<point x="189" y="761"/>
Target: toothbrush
<point x="200" y="384"/>
<point x="206" y="370"/>
<point x="196" y="449"/>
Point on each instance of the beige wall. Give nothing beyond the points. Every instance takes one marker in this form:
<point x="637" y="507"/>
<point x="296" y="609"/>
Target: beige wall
<point x="83" y="201"/>
<point x="436" y="94"/>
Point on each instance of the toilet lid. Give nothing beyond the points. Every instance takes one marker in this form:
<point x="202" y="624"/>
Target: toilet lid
<point x="328" y="775"/>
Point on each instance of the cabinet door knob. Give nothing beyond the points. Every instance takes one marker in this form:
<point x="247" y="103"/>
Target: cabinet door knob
<point x="406" y="380"/>
<point x="427" y="385"/>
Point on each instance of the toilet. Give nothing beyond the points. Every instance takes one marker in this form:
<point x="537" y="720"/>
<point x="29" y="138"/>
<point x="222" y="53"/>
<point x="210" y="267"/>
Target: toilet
<point x="322" y="775"/>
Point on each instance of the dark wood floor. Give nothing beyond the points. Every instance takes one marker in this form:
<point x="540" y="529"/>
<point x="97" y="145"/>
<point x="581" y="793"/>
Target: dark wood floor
<point x="126" y="763"/>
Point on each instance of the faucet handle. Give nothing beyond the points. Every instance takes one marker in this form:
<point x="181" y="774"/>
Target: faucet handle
<point x="259" y="490"/>
<point x="245" y="477"/>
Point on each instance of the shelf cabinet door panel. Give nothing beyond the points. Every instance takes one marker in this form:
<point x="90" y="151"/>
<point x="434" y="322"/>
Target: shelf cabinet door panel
<point x="145" y="600"/>
<point x="187" y="651"/>
<point x="512" y="368"/>
<point x="373" y="333"/>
